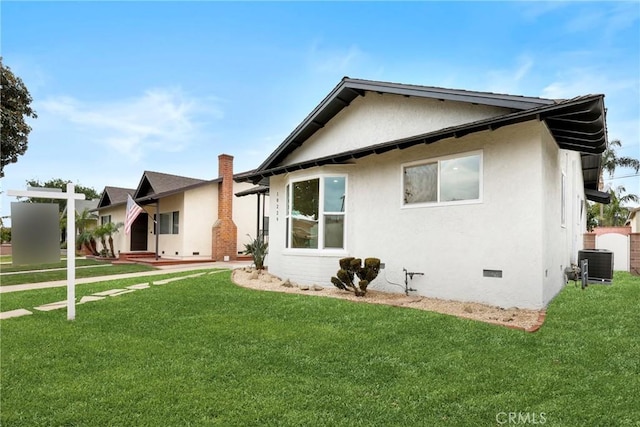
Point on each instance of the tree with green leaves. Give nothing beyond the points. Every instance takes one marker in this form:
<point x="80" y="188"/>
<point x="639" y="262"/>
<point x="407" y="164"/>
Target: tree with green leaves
<point x="615" y="213"/>
<point x="611" y="160"/>
<point x="101" y="233"/>
<point x="84" y="235"/>
<point x="110" y="229"/>
<point x="86" y="239"/>
<point x="89" y="192"/>
<point x="15" y="108"/>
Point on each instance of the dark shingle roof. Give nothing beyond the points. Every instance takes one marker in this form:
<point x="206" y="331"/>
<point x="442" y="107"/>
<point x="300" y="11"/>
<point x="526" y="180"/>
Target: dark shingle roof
<point x="114" y="196"/>
<point x="576" y="124"/>
<point x="349" y="89"/>
<point x="155" y="185"/>
<point x="163" y="182"/>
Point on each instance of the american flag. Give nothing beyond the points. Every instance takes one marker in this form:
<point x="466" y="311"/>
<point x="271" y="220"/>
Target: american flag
<point x="133" y="210"/>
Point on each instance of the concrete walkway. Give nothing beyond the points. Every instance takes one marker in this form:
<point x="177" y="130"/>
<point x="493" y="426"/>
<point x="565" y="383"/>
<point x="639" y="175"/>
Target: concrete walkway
<point x="219" y="266"/>
<point x="161" y="270"/>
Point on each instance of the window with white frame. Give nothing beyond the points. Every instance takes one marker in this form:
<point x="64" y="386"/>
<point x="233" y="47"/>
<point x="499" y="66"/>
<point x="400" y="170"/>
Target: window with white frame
<point x="169" y="222"/>
<point x="446" y="180"/>
<point x="315" y="212"/>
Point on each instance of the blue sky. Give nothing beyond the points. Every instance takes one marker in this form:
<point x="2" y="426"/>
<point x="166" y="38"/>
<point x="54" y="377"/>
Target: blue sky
<point x="123" y="87"/>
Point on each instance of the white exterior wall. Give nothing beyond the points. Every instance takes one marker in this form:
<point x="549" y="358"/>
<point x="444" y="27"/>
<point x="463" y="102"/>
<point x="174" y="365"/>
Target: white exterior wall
<point x="451" y="244"/>
<point x="196" y="219"/>
<point x="198" y="209"/>
<point x="635" y="222"/>
<point x="245" y="214"/>
<point x="168" y="244"/>
<point x="562" y="240"/>
<point x="377" y="118"/>
<point x="120" y="239"/>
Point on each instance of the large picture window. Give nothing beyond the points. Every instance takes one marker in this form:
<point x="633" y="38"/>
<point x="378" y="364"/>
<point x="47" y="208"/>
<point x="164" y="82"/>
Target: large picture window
<point x="315" y="215"/>
<point x="445" y="180"/>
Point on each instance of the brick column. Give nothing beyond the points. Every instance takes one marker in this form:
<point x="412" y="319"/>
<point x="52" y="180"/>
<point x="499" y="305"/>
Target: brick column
<point x="634" y="253"/>
<point x="589" y="240"/>
<point x="224" y="237"/>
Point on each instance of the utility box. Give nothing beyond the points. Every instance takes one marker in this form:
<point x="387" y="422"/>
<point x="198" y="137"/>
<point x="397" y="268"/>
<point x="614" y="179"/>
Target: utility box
<point x="600" y="265"/>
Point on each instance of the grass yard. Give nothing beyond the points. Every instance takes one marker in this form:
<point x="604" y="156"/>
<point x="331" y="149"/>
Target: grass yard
<point x="32" y="276"/>
<point x="80" y="262"/>
<point x="205" y="352"/>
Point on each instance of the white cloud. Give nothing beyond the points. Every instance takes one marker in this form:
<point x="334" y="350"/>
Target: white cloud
<point x="334" y="60"/>
<point x="510" y="80"/>
<point x="160" y="119"/>
<point x="575" y="82"/>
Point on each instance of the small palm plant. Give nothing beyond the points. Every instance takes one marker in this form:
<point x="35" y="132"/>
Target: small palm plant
<point x="110" y="230"/>
<point x="86" y="238"/>
<point x="258" y="249"/>
<point x="101" y="233"/>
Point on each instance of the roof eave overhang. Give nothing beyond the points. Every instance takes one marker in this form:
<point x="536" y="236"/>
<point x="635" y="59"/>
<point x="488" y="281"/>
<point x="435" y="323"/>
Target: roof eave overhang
<point x="349" y="89"/>
<point x="260" y="189"/>
<point x="586" y="113"/>
<point x="597" y="196"/>
<point x="152" y="198"/>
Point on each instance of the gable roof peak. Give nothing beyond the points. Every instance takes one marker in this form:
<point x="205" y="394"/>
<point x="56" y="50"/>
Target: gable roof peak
<point x="348" y="89"/>
<point x="484" y="97"/>
<point x="114" y="195"/>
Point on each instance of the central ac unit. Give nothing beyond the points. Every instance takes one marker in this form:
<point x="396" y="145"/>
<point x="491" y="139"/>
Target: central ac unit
<point x="600" y="265"/>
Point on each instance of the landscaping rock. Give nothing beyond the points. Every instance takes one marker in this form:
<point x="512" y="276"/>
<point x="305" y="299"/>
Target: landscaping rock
<point x="287" y="284"/>
<point x="304" y="287"/>
<point x="317" y="287"/>
<point x="254" y="275"/>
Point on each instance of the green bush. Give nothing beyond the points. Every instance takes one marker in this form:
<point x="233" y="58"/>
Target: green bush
<point x="258" y="249"/>
<point x="352" y="267"/>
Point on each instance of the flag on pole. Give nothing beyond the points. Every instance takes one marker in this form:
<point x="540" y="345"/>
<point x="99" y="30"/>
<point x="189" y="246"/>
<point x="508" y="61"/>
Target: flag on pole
<point x="133" y="210"/>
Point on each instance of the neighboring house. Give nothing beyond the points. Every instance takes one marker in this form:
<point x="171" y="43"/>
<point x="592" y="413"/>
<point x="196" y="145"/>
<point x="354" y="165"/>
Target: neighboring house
<point x="195" y="217"/>
<point x="483" y="193"/>
<point x="91" y="220"/>
<point x="634" y="220"/>
<point x="81" y="206"/>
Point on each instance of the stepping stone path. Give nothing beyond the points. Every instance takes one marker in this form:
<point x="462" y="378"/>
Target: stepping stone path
<point x="90" y="298"/>
<point x="99" y="295"/>
<point x="52" y="306"/>
<point x="14" y="313"/>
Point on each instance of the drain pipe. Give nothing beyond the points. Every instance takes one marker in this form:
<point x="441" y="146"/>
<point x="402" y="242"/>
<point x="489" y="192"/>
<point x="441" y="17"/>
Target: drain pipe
<point x="409" y="275"/>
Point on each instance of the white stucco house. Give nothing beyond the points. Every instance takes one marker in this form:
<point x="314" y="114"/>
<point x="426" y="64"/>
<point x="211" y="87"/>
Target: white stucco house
<point x="634" y="220"/>
<point x="483" y="193"/>
<point x="184" y="218"/>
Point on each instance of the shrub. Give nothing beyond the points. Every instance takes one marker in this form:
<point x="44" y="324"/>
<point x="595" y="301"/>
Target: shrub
<point x="352" y="267"/>
<point x="258" y="249"/>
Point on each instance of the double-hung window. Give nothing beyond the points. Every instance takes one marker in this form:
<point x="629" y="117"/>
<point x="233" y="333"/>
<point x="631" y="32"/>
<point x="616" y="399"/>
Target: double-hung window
<point x="447" y="180"/>
<point x="315" y="212"/>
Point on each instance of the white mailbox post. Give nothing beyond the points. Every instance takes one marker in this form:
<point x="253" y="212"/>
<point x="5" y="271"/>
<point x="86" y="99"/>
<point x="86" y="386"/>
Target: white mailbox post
<point x="71" y="198"/>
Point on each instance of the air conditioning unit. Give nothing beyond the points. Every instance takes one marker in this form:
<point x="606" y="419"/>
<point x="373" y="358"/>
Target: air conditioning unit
<point x="600" y="265"/>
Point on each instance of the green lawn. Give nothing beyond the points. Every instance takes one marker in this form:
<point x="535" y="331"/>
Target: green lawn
<point x="205" y="352"/>
<point x="101" y="269"/>
<point x="80" y="262"/>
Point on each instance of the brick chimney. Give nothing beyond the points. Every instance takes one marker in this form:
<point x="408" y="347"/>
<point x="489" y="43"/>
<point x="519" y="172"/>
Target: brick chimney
<point x="225" y="233"/>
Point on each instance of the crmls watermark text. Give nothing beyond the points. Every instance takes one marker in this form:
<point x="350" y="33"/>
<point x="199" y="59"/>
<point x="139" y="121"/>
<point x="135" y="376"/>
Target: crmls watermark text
<point x="534" y="418"/>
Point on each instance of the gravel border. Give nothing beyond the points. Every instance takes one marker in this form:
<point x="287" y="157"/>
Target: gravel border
<point x="515" y="318"/>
